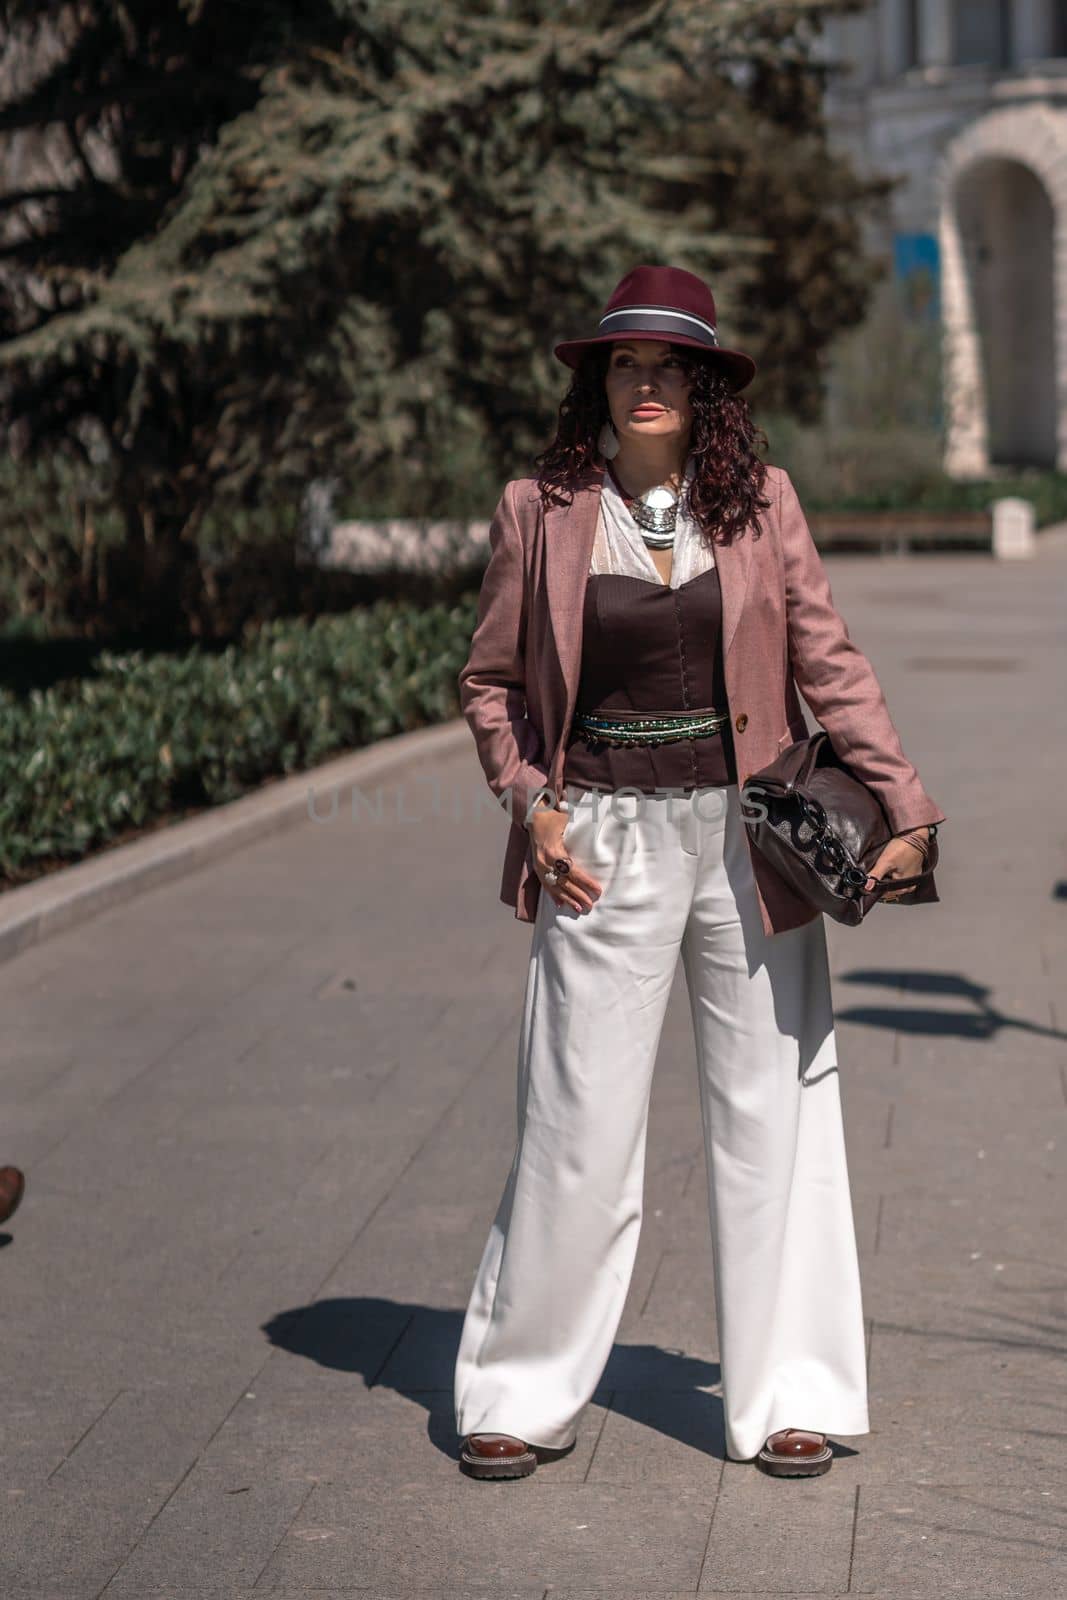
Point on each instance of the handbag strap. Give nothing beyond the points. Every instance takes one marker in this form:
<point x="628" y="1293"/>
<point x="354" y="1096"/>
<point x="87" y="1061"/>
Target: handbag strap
<point x="901" y="883"/>
<point x="811" y="756"/>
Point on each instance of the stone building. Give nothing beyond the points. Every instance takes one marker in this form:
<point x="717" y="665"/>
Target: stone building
<point x="966" y="102"/>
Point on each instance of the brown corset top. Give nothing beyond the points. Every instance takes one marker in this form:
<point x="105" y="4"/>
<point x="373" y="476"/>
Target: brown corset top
<point x="647" y="647"/>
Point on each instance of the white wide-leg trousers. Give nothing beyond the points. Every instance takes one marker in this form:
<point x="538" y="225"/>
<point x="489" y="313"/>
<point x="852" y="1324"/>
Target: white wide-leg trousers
<point x="553" y="1278"/>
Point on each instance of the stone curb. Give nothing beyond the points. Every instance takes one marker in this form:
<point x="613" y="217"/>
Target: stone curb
<point x="64" y="899"/>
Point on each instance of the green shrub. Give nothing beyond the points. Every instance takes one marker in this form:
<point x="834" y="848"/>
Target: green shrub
<point x="144" y="737"/>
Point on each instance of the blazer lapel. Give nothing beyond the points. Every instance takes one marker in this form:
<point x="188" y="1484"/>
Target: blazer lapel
<point x="570" y="531"/>
<point x="734" y="563"/>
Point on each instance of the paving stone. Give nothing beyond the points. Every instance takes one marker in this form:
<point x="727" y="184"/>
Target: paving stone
<point x="658" y="1436"/>
<point x="678" y="1306"/>
<point x="123" y="1592"/>
<point x="89" y="1514"/>
<point x="992" y="1222"/>
<point x="538" y="1526"/>
<point x="964" y="1439"/>
<point x="780" y="1535"/>
<point x="976" y="1540"/>
<point x="222" y="1523"/>
<point x="921" y="1366"/>
<point x="40" y="1424"/>
<point x="353" y="1438"/>
<point x="552" y="1593"/>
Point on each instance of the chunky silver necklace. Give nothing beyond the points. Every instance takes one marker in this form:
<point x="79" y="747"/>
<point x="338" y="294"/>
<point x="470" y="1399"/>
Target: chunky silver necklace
<point x="655" y="513"/>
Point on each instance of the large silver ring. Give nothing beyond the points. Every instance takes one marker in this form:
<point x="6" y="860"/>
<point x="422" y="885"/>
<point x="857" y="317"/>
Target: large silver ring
<point x="551" y="877"/>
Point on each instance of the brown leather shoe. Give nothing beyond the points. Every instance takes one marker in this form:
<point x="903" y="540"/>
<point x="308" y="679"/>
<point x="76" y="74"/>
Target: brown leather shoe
<point x="796" y="1453"/>
<point x="12" y="1184"/>
<point x="496" y="1455"/>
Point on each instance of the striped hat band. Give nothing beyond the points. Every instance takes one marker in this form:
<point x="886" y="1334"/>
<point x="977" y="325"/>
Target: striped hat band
<point x="658" y="319"/>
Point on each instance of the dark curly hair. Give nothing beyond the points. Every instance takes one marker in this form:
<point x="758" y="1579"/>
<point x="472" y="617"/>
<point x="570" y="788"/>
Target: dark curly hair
<point x="727" y="489"/>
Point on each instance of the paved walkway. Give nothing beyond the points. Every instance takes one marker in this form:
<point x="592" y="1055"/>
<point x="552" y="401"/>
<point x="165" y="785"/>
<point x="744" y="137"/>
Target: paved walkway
<point x="266" y="1115"/>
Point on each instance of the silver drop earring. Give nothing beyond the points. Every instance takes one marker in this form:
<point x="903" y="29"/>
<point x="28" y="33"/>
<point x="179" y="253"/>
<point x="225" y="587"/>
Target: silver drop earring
<point x="608" y="441"/>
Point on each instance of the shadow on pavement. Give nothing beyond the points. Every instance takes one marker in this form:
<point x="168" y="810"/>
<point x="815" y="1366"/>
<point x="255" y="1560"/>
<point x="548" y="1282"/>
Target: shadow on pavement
<point x="412" y="1350"/>
<point x="985" y="1021"/>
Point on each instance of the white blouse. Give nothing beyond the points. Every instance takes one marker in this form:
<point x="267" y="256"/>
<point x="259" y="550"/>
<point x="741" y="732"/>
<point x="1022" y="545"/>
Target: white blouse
<point x="620" y="547"/>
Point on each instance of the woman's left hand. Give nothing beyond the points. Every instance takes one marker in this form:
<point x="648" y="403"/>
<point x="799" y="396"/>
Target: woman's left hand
<point x="901" y="858"/>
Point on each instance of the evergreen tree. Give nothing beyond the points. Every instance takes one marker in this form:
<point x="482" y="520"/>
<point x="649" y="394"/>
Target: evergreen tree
<point x="327" y="238"/>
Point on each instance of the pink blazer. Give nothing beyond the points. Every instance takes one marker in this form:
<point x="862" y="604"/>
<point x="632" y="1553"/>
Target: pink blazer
<point x="780" y="630"/>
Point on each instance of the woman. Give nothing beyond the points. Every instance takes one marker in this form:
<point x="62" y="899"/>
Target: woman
<point x="646" y="609"/>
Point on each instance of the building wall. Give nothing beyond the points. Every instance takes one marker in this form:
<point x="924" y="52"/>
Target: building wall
<point x="965" y="101"/>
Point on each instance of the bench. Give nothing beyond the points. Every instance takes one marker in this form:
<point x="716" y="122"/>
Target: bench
<point x="897" y="532"/>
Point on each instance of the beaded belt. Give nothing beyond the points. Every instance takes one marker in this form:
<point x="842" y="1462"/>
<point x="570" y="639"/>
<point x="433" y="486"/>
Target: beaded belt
<point x="619" y="728"/>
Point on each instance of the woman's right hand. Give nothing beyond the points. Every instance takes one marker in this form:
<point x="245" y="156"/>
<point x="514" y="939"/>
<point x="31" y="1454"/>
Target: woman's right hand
<point x="576" y="888"/>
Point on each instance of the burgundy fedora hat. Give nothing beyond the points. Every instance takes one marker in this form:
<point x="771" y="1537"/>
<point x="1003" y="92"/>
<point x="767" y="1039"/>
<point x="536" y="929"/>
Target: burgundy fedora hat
<point x="663" y="303"/>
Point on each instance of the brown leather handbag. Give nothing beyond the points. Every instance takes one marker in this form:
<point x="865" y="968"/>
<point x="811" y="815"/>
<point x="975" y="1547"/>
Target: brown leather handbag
<point x="822" y="829"/>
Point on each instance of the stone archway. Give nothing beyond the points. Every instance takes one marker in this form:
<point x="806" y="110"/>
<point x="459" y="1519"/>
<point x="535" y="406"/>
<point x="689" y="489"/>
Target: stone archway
<point x="1002" y="201"/>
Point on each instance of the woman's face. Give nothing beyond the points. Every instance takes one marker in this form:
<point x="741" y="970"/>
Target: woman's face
<point x="648" y="390"/>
